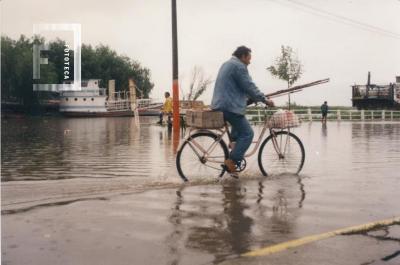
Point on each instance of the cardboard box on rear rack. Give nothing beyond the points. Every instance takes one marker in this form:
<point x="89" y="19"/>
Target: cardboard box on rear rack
<point x="204" y="119"/>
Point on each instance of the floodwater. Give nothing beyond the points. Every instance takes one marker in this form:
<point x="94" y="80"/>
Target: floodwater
<point x="56" y="148"/>
<point x="105" y="191"/>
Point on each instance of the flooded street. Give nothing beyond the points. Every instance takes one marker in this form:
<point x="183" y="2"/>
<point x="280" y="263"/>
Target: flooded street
<point x="105" y="191"/>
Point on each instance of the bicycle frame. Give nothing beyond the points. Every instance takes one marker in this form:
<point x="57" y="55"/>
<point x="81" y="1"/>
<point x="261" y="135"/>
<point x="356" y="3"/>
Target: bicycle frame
<point x="225" y="130"/>
<point x="206" y="153"/>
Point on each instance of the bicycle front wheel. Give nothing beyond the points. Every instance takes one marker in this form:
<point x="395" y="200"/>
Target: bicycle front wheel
<point x="201" y="156"/>
<point x="282" y="152"/>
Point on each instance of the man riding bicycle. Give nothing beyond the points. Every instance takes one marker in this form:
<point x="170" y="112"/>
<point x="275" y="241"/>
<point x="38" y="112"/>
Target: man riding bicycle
<point x="233" y="88"/>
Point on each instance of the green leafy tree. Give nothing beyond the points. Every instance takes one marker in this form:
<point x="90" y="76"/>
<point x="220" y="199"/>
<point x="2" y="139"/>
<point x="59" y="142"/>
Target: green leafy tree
<point x="56" y="55"/>
<point x="287" y="66"/>
<point x="99" y="62"/>
<point x="104" y="63"/>
<point x="21" y="71"/>
<point x="8" y="58"/>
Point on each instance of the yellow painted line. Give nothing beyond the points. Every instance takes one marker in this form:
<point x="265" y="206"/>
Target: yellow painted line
<point x="308" y="239"/>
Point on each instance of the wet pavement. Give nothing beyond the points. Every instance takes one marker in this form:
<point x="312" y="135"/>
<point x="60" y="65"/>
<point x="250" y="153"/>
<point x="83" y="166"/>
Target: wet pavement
<point x="355" y="249"/>
<point x="104" y="191"/>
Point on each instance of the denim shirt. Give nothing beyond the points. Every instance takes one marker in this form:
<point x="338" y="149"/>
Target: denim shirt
<point x="233" y="87"/>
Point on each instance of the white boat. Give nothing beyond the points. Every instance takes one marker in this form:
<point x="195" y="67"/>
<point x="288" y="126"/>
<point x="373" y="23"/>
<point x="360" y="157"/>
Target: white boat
<point x="94" y="101"/>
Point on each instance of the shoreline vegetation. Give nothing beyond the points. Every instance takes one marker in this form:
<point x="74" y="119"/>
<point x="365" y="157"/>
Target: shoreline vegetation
<point x="98" y="62"/>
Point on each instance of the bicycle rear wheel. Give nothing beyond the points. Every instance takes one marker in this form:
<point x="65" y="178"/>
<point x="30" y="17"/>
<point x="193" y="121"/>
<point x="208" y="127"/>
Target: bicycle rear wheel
<point x="201" y="156"/>
<point x="281" y="153"/>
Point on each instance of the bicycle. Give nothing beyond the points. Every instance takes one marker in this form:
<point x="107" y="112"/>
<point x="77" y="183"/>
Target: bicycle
<point x="204" y="151"/>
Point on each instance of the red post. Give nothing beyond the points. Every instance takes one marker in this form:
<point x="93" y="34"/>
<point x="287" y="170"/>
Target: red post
<point x="175" y="105"/>
<point x="175" y="83"/>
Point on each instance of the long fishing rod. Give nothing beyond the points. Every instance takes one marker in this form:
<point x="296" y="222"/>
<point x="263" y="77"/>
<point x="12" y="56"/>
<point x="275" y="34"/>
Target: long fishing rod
<point x="295" y="88"/>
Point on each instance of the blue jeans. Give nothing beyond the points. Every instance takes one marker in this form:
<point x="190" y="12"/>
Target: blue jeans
<point x="241" y="133"/>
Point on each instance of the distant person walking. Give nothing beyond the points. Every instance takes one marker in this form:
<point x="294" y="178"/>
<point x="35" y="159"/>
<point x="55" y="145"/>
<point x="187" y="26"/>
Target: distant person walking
<point x="166" y="109"/>
<point x="324" y="111"/>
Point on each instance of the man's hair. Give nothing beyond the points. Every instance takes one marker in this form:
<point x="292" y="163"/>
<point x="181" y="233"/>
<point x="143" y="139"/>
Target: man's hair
<point x="240" y="51"/>
<point x="167" y="94"/>
<point x="325" y="102"/>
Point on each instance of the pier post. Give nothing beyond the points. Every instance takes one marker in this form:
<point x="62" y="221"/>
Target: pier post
<point x="338" y="114"/>
<point x="383" y="115"/>
<point x="362" y="115"/>
<point x="309" y="114"/>
<point x="132" y="94"/>
<point x="111" y="90"/>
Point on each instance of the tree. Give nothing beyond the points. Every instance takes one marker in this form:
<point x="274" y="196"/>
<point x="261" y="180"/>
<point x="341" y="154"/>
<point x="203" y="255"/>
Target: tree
<point x="99" y="62"/>
<point x="104" y="63"/>
<point x="198" y="84"/>
<point x="287" y="66"/>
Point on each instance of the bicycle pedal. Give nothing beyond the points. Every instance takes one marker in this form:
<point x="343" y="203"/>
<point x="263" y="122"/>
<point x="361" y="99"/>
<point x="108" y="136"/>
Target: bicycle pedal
<point x="232" y="174"/>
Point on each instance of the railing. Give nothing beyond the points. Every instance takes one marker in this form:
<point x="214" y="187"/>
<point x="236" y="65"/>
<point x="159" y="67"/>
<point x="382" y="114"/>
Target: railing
<point x="143" y="103"/>
<point x="124" y="104"/>
<point x="119" y="101"/>
<point x="257" y="115"/>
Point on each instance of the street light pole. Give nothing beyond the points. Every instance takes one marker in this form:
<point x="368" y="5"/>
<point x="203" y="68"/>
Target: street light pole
<point x="175" y="84"/>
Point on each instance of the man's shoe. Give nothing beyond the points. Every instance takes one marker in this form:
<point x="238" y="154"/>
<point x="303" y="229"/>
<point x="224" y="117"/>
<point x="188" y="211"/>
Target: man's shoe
<point x="230" y="165"/>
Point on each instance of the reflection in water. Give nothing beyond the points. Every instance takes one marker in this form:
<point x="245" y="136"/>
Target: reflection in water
<point x="63" y="148"/>
<point x="229" y="230"/>
<point x="260" y="192"/>
<point x="375" y="148"/>
<point x="60" y="148"/>
<point x="165" y="136"/>
<point x="371" y="130"/>
<point x="324" y="130"/>
<point x="302" y="191"/>
<point x="238" y="223"/>
<point x="176" y="237"/>
<point x="261" y="187"/>
<point x="235" y="219"/>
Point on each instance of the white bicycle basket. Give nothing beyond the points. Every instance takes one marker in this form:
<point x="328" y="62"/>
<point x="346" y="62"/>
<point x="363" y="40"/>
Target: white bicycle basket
<point x="283" y="119"/>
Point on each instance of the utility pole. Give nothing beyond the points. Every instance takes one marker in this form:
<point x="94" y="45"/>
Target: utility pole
<point x="175" y="84"/>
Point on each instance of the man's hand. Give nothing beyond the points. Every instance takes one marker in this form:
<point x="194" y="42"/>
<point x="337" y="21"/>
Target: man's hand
<point x="249" y="101"/>
<point x="266" y="101"/>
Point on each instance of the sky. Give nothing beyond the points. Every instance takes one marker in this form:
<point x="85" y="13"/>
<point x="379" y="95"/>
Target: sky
<point x="337" y="39"/>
